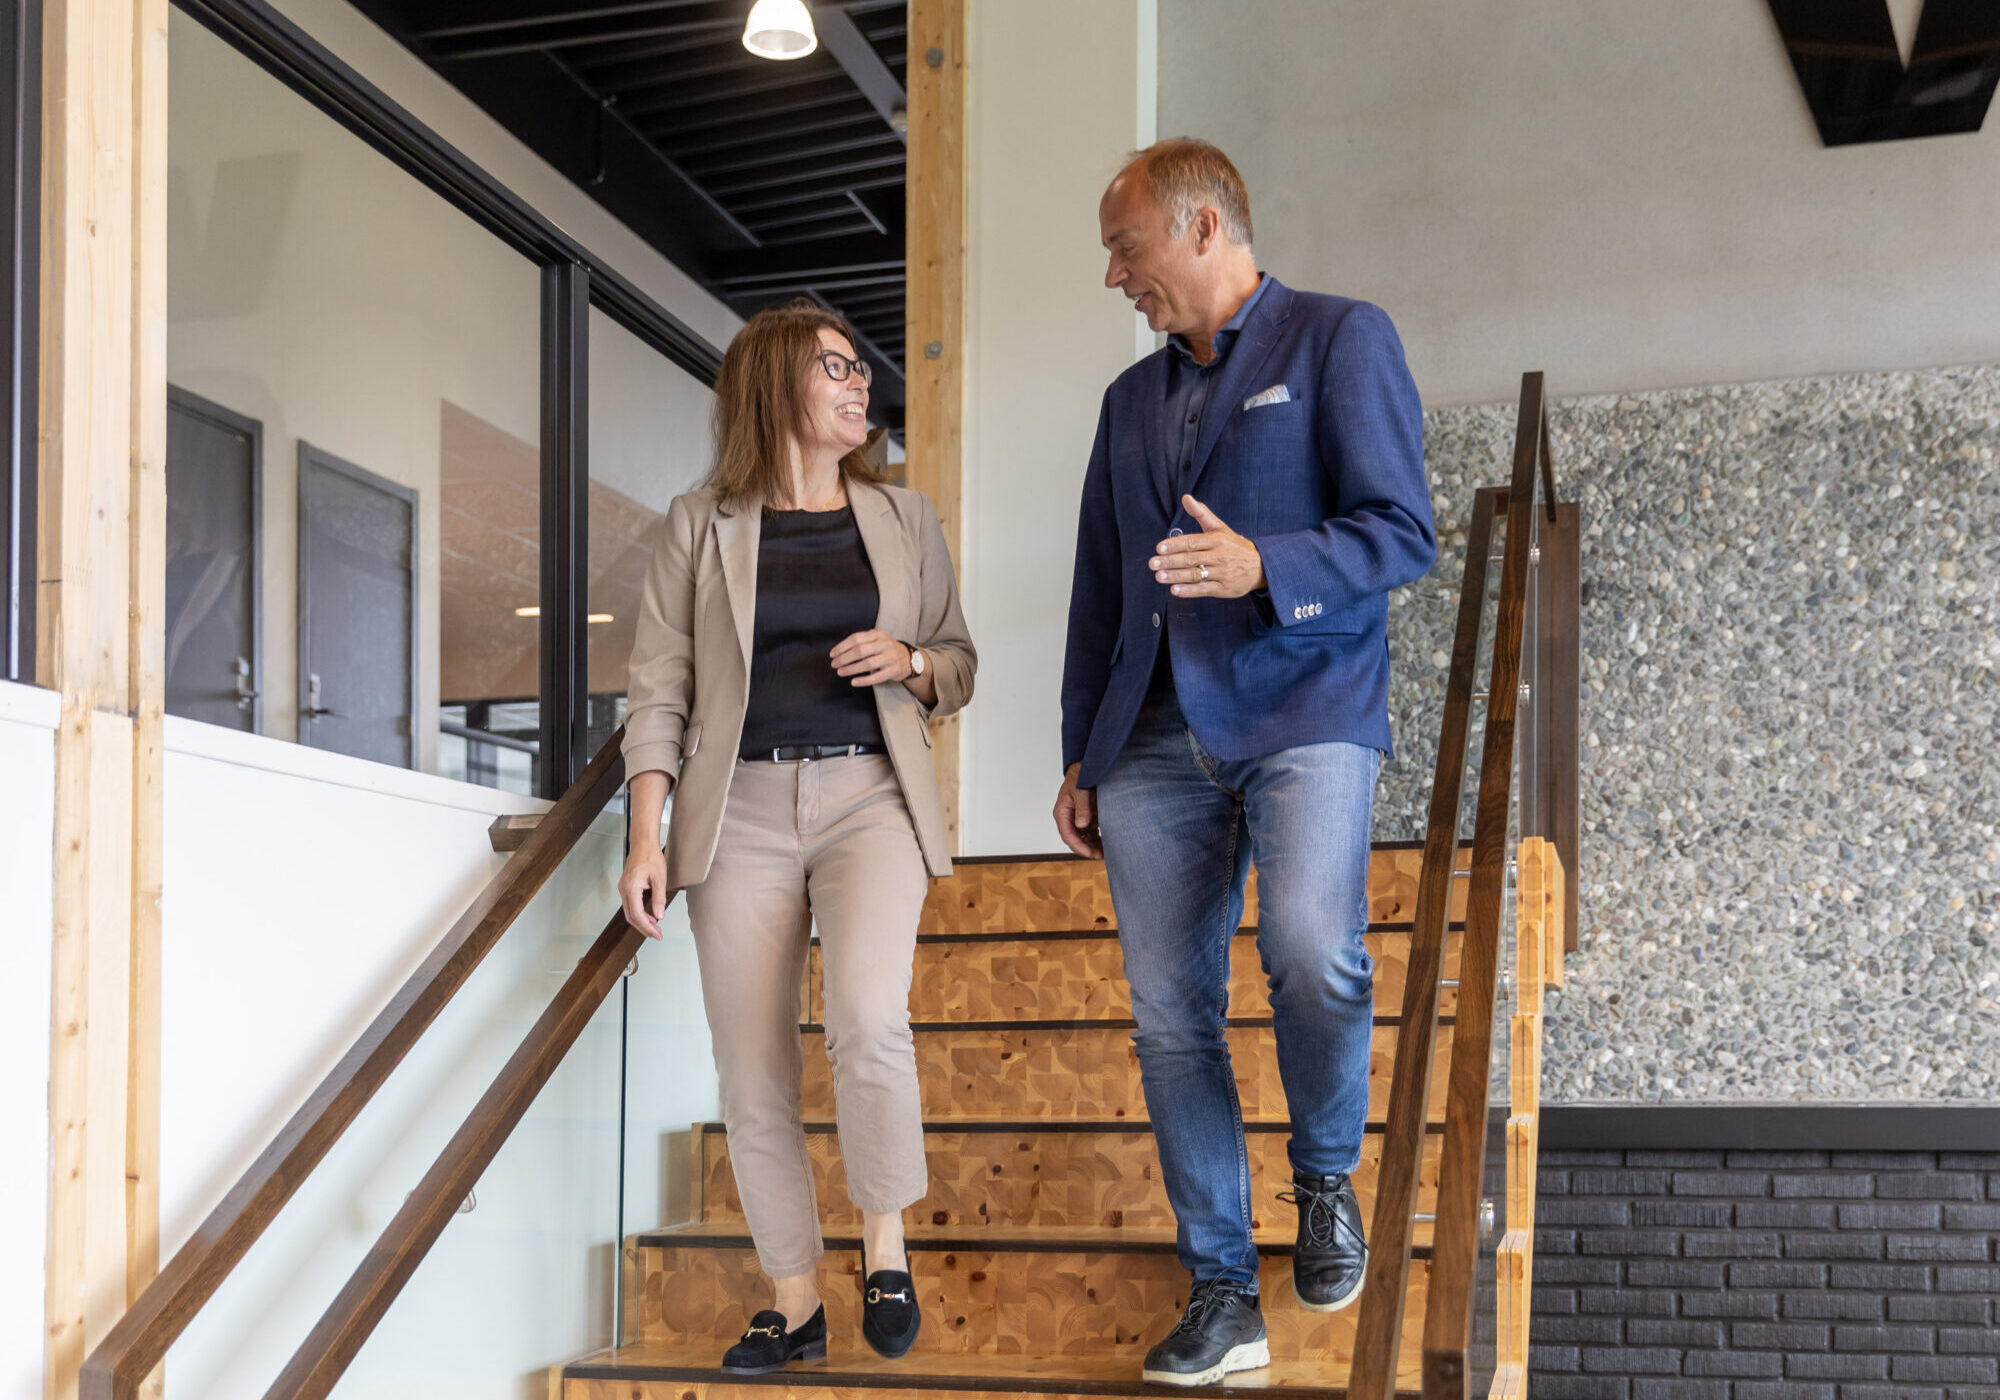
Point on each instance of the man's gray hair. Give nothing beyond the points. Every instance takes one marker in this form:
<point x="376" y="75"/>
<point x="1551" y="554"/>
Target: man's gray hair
<point x="1183" y="174"/>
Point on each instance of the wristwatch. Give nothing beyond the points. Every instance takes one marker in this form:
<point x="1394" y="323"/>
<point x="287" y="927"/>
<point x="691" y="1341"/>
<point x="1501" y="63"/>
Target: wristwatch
<point x="917" y="662"/>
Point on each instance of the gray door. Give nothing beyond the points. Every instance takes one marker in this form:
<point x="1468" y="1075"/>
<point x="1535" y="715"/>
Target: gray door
<point x="214" y="575"/>
<point x="357" y="611"/>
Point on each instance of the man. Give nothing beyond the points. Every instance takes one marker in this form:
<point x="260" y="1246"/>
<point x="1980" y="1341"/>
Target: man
<point x="1255" y="490"/>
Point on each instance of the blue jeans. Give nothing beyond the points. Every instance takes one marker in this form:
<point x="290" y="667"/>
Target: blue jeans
<point x="1180" y="830"/>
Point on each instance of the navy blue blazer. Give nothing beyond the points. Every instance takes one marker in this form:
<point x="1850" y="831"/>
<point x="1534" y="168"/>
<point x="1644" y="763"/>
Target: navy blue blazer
<point x="1329" y="485"/>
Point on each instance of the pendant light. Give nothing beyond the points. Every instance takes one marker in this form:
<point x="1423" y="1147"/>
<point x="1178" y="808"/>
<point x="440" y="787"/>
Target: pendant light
<point x="780" y="29"/>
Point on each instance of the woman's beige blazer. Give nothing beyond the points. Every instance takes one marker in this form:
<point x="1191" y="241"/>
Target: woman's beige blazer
<point x="690" y="681"/>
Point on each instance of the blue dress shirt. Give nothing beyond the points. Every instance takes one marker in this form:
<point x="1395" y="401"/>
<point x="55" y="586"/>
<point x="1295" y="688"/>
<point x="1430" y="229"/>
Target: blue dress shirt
<point x="1188" y="383"/>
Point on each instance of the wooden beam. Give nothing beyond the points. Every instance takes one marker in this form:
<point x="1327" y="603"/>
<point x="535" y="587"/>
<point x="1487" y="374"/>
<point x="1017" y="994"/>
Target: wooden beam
<point x="934" y="340"/>
<point x="146" y="699"/>
<point x="100" y="646"/>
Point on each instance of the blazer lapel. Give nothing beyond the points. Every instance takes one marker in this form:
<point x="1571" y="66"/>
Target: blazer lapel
<point x="736" y="537"/>
<point x="882" y="541"/>
<point x="1239" y="373"/>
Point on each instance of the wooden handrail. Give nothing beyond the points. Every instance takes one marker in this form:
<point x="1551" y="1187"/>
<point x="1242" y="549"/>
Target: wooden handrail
<point x="1448" y="1305"/>
<point x="1379" y="1331"/>
<point x="139" y="1339"/>
<point x="317" y="1366"/>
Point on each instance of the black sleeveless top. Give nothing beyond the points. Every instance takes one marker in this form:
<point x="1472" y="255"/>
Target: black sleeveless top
<point x="815" y="588"/>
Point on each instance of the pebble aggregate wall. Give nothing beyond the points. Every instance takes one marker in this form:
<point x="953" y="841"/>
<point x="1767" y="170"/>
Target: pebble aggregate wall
<point x="1791" y="814"/>
<point x="1766" y="1276"/>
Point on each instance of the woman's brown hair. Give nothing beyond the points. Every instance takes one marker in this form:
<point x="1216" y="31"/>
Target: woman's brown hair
<point x="760" y="402"/>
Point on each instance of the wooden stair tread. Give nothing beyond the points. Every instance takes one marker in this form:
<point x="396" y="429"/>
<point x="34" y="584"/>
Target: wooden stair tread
<point x="1001" y="1123"/>
<point x="1081" y="1023"/>
<point x="849" y="1364"/>
<point x="1058" y="935"/>
<point x="1272" y="1239"/>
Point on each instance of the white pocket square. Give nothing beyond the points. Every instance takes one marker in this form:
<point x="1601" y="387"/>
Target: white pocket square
<point x="1277" y="393"/>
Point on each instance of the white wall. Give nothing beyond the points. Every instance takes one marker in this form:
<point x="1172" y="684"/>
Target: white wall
<point x="1051" y="122"/>
<point x="301" y="888"/>
<point x="27" y="930"/>
<point x="1628" y="196"/>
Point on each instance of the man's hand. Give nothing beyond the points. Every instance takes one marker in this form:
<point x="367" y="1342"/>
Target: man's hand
<point x="871" y="657"/>
<point x="1217" y="563"/>
<point x="1076" y="817"/>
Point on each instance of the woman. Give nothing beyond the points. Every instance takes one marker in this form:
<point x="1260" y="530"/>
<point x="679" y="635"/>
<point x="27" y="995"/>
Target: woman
<point x="799" y="628"/>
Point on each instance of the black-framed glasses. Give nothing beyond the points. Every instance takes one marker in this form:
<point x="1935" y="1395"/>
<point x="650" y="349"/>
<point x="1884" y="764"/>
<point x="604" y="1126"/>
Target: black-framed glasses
<point x="838" y="367"/>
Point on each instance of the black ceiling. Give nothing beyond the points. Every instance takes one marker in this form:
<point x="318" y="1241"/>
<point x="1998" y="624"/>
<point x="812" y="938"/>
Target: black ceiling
<point x="1859" y="88"/>
<point x="764" y="180"/>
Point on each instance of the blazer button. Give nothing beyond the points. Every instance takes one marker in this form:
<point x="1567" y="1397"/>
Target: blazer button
<point x="1298" y="613"/>
<point x="1156" y="619"/>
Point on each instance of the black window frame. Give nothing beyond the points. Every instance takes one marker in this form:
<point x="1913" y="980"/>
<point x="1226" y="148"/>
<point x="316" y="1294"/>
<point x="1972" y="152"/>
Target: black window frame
<point x="573" y="281"/>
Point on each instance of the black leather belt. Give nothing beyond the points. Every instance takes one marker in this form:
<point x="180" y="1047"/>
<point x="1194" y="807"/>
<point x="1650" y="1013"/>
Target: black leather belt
<point x="807" y="753"/>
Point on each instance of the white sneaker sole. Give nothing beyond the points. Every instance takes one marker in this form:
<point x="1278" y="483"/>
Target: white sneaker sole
<point x="1250" y="1356"/>
<point x="1336" y="1305"/>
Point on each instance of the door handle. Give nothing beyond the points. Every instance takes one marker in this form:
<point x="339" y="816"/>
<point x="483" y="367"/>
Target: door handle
<point x="246" y="693"/>
<point x="312" y="708"/>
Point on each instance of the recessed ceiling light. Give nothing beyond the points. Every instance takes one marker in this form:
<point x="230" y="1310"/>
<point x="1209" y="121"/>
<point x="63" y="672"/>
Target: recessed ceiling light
<point x="602" y="617"/>
<point x="780" y="29"/>
<point x="527" y="612"/>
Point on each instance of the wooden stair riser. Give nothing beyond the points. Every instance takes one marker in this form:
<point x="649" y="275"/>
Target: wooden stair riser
<point x="1086" y="1072"/>
<point x="1084" y="979"/>
<point x="986" y="1302"/>
<point x="1105" y="1180"/>
<point x="1059" y="896"/>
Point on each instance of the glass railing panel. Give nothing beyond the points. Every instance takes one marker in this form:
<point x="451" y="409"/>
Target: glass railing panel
<point x="528" y="1275"/>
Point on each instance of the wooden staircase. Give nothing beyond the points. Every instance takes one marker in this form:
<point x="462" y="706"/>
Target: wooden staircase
<point x="1045" y="1251"/>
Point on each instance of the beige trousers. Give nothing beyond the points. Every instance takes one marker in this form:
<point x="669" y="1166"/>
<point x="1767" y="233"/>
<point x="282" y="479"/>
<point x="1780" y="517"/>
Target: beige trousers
<point x="828" y="841"/>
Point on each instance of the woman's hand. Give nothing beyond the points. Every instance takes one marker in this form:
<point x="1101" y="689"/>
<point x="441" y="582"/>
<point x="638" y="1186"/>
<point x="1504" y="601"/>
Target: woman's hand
<point x="645" y="875"/>
<point x="646" y="866"/>
<point x="871" y="658"/>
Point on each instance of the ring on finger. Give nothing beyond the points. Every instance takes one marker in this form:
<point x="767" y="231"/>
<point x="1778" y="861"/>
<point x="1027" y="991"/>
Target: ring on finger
<point x="1204" y="573"/>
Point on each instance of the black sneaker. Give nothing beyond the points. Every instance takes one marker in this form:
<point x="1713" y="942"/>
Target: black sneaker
<point x="890" y="1318"/>
<point x="767" y="1346"/>
<point x="1332" y="1256"/>
<point x="1222" y="1331"/>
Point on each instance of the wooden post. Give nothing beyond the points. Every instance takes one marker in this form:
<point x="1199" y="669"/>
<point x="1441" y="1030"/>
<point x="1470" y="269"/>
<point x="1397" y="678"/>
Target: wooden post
<point x="102" y="494"/>
<point x="934" y="339"/>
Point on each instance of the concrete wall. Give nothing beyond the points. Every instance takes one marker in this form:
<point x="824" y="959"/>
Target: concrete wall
<point x="1060" y="92"/>
<point x="1790" y="870"/>
<point x="1627" y="196"/>
<point x="27" y="856"/>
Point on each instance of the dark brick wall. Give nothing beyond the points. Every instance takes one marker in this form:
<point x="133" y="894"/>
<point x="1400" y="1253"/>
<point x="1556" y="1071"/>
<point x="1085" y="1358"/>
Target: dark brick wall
<point x="1766" y="1276"/>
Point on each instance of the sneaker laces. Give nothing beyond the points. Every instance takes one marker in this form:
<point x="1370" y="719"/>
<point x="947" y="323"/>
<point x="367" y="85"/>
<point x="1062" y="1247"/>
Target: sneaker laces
<point x="1323" y="1216"/>
<point x="1205" y="1298"/>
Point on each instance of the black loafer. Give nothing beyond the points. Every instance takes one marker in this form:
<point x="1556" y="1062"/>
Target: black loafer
<point x="1221" y="1332"/>
<point x="767" y="1346"/>
<point x="1331" y="1257"/>
<point x="890" y="1318"/>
